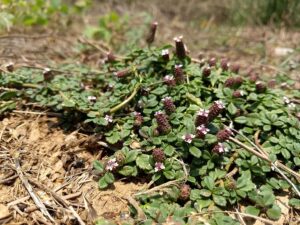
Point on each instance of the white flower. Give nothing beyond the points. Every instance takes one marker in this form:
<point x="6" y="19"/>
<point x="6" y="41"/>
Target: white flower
<point x="220" y="104"/>
<point x="165" y="52"/>
<point x="92" y="98"/>
<point x="203" y="129"/>
<point x="159" y="166"/>
<point x="158" y="113"/>
<point x="291" y="105"/>
<point x="111" y="164"/>
<point x="166" y="99"/>
<point x="108" y="118"/>
<point x="178" y="66"/>
<point x="168" y="78"/>
<point x="286" y="100"/>
<point x="203" y="112"/>
<point x="188" y="138"/>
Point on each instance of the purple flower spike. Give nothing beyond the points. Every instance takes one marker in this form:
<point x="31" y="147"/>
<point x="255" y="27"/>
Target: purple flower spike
<point x="180" y="48"/>
<point x="201" y="117"/>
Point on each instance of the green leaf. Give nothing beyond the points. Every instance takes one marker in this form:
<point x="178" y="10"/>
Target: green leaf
<point x="202" y="203"/>
<point x="128" y="171"/>
<point x="98" y="166"/>
<point x="195" y="151"/>
<point x="241" y="120"/>
<point x="274" y="213"/>
<point x="143" y="161"/>
<point x="131" y="156"/>
<point x="114" y="138"/>
<point x="109" y="178"/>
<point x="169" y="150"/>
<point x="294" y="202"/>
<point x="252" y="210"/>
<point x="195" y="194"/>
<point x="219" y="200"/>
<point x="232" y="109"/>
<point x="169" y="174"/>
<point x="208" y="182"/>
<point x="205" y="192"/>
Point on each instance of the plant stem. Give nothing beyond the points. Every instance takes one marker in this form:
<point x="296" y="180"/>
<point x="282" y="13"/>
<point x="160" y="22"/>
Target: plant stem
<point x="274" y="165"/>
<point x="126" y="101"/>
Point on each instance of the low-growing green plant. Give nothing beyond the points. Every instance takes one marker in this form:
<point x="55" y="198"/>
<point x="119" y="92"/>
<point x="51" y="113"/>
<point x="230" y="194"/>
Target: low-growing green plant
<point x="116" y="29"/>
<point x="185" y="127"/>
<point x="36" y="12"/>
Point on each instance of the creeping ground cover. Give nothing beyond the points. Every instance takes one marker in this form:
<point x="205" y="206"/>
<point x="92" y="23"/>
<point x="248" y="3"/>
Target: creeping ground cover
<point x="207" y="140"/>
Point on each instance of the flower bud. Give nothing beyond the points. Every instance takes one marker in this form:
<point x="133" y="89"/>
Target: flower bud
<point x="151" y="35"/>
<point x="238" y="81"/>
<point x="230" y="82"/>
<point x="169" y="80"/>
<point x="10" y="67"/>
<point x="165" y="54"/>
<point x="185" y="191"/>
<point x="164" y="126"/>
<point x="120" y="157"/>
<point x="224" y="135"/>
<point x="179" y="76"/>
<point x="110" y="57"/>
<point x="122" y="73"/>
<point x="48" y="74"/>
<point x="237" y="94"/>
<point x="169" y="105"/>
<point x="138" y="119"/>
<point x="260" y="87"/>
<point x="180" y="48"/>
<point x="235" y="68"/>
<point x="158" y="155"/>
<point x="212" y="62"/>
<point x="201" y="131"/>
<point x="216" y="109"/>
<point x="201" y="117"/>
<point x="224" y="64"/>
<point x="206" y="71"/>
<point x="219" y="148"/>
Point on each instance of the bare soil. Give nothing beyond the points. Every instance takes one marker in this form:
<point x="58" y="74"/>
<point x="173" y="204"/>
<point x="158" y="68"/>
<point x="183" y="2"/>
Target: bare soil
<point x="59" y="161"/>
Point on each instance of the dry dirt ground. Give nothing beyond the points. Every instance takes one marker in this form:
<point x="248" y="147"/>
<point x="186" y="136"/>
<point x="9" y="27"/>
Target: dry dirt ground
<point x="58" y="164"/>
<point x="55" y="163"/>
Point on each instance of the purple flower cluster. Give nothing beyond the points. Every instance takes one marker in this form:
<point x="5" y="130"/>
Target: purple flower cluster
<point x="164" y="126"/>
<point x="169" y="105"/>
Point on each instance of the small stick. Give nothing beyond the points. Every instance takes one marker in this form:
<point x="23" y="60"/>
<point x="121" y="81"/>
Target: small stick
<point x="71" y="196"/>
<point x="15" y="202"/>
<point x="8" y="179"/>
<point x="38" y="113"/>
<point x="141" y="215"/>
<point x="159" y="187"/>
<point x="60" y="199"/>
<point x="269" y="161"/>
<point x="30" y="191"/>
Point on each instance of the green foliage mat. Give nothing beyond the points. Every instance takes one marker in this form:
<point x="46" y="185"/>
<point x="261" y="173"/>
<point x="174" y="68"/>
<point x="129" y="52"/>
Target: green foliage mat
<point x="190" y="125"/>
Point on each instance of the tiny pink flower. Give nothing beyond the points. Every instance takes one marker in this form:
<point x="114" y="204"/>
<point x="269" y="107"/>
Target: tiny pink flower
<point x="108" y="118"/>
<point x="188" y="138"/>
<point x="159" y="166"/>
<point x="111" y="164"/>
<point x="203" y="129"/>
